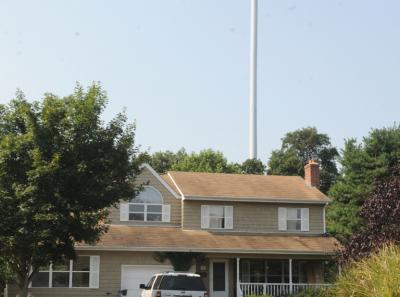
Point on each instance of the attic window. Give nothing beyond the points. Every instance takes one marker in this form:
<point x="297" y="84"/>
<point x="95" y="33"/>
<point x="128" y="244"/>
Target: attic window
<point x="146" y="206"/>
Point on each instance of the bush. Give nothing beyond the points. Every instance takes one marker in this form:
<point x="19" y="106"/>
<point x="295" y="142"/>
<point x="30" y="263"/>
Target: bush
<point x="375" y="276"/>
<point x="312" y="293"/>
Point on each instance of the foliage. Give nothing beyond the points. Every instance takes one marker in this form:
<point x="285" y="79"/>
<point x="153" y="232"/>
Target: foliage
<point x="253" y="166"/>
<point x="375" y="276"/>
<point x="320" y="292"/>
<point x="5" y="274"/>
<point x="381" y="212"/>
<point x="60" y="168"/>
<point x="300" y="146"/>
<point x="181" y="261"/>
<point x="259" y="296"/>
<point x="162" y="161"/>
<point x="362" y="163"/>
<point x="205" y="161"/>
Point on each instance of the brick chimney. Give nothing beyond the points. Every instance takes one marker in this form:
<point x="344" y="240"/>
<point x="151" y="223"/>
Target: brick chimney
<point x="311" y="174"/>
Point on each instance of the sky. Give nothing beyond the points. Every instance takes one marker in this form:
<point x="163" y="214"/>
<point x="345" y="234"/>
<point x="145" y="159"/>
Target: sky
<point x="181" y="67"/>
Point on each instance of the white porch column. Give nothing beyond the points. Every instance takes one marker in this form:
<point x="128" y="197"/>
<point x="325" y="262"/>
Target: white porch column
<point x="238" y="290"/>
<point x="290" y="277"/>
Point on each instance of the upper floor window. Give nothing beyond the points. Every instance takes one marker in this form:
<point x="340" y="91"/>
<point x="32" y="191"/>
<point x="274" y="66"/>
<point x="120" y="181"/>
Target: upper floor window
<point x="216" y="217"/>
<point x="147" y="206"/>
<point x="80" y="273"/>
<point x="293" y="219"/>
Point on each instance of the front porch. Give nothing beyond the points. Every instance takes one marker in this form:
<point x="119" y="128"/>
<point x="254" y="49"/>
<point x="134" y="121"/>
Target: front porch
<point x="281" y="277"/>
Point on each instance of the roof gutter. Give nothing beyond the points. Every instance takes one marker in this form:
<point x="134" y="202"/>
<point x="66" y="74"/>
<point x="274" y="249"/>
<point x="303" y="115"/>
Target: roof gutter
<point x="202" y="250"/>
<point x="250" y="199"/>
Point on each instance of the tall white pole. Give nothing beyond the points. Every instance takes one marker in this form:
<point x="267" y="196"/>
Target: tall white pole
<point x="253" y="83"/>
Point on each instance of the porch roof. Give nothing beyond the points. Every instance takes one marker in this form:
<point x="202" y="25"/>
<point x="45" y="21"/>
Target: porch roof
<point x="135" y="238"/>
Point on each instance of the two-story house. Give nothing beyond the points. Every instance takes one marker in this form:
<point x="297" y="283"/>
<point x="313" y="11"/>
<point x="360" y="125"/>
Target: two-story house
<point x="259" y="234"/>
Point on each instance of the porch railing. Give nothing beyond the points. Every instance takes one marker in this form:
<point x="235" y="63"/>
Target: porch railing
<point x="275" y="289"/>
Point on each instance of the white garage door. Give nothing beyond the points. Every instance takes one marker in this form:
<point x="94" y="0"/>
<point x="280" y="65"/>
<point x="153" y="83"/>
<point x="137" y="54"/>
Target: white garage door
<point x="134" y="275"/>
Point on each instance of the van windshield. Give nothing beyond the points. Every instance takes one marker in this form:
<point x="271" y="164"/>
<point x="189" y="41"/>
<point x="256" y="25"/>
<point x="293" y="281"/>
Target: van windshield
<point x="182" y="283"/>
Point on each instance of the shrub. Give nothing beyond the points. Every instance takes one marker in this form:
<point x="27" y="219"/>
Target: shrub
<point x="375" y="276"/>
<point x="311" y="293"/>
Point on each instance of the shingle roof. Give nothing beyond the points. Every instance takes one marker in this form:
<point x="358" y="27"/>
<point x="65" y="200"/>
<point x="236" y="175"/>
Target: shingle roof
<point x="120" y="237"/>
<point x="245" y="186"/>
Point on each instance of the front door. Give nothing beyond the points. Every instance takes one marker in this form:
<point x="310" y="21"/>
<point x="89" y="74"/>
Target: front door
<point x="219" y="281"/>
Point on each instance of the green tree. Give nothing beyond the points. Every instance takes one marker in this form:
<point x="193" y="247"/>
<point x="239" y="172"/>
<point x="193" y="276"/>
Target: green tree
<point x="181" y="261"/>
<point x="253" y="166"/>
<point x="300" y="146"/>
<point x="162" y="161"/>
<point x="205" y="161"/>
<point x="362" y="164"/>
<point x="61" y="167"/>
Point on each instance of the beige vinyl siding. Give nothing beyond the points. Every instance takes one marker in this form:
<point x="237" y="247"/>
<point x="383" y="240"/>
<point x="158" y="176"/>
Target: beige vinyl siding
<point x="251" y="217"/>
<point x="146" y="178"/>
<point x="110" y="275"/>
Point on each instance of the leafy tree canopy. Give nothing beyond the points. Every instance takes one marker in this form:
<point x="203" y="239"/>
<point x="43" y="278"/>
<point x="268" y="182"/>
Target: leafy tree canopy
<point x="204" y="161"/>
<point x="362" y="163"/>
<point x="60" y="168"/>
<point x="300" y="146"/>
<point x="381" y="213"/>
<point x="162" y="161"/>
<point x="253" y="166"/>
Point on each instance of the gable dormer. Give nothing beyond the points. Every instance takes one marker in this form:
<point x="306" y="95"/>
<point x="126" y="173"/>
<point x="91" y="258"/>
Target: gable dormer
<point x="156" y="205"/>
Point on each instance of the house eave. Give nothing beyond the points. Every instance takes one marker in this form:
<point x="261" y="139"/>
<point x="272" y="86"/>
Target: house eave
<point x="203" y="250"/>
<point x="255" y="200"/>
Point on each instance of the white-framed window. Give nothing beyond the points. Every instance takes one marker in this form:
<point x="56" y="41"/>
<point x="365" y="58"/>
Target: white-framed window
<point x="147" y="206"/>
<point x="293" y="219"/>
<point x="80" y="273"/>
<point x="216" y="217"/>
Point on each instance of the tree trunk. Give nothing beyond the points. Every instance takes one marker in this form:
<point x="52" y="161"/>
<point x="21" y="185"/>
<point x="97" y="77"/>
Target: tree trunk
<point x="23" y="287"/>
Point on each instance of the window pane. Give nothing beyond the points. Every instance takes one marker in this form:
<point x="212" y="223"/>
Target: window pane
<point x="82" y="263"/>
<point x="277" y="271"/>
<point x="154" y="217"/>
<point x="41" y="279"/>
<point x="61" y="267"/>
<point x="136" y="207"/>
<point x="80" y="279"/>
<point x="293" y="213"/>
<point x="136" y="217"/>
<point x="154" y="208"/>
<point x="182" y="283"/>
<point x="216" y="211"/>
<point x="216" y="222"/>
<point x="294" y="225"/>
<point x="148" y="195"/>
<point x="60" y="279"/>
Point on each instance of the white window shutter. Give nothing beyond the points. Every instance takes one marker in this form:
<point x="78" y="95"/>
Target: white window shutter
<point x="205" y="221"/>
<point x="305" y="219"/>
<point x="123" y="212"/>
<point x="282" y="218"/>
<point x="166" y="213"/>
<point x="94" y="272"/>
<point x="228" y="217"/>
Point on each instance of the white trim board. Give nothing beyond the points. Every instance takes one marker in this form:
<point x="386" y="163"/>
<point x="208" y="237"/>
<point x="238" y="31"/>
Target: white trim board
<point x="225" y="251"/>
<point x="261" y="200"/>
<point x="160" y="179"/>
